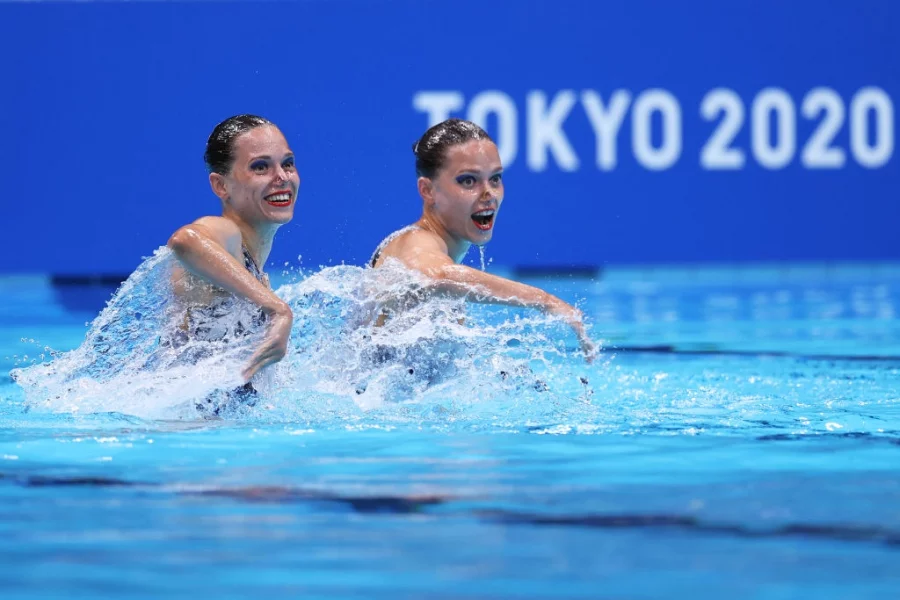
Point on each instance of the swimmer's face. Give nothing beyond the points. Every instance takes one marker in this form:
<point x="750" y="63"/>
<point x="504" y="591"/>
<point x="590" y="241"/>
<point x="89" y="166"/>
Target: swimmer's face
<point x="466" y="193"/>
<point x="263" y="182"/>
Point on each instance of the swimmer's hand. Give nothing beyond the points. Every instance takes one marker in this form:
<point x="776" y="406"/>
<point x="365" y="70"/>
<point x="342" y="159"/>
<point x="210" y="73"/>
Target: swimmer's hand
<point x="575" y="319"/>
<point x="588" y="346"/>
<point x="274" y="345"/>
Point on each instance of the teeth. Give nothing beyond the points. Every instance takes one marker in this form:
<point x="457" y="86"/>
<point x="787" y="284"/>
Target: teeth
<point x="483" y="218"/>
<point x="279" y="197"/>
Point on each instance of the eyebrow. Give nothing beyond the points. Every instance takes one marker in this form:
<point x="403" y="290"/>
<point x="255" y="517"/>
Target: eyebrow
<point x="267" y="157"/>
<point x="465" y="170"/>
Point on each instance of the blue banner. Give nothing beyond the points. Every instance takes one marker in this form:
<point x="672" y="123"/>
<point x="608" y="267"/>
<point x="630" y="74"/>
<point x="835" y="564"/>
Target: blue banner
<point x="633" y="131"/>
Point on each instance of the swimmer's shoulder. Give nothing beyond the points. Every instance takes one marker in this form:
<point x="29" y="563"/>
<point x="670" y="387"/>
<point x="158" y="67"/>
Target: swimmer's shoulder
<point x="421" y="239"/>
<point x="222" y="230"/>
<point x="411" y="243"/>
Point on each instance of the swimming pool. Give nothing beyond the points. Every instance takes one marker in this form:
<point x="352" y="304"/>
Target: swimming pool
<point x="739" y="437"/>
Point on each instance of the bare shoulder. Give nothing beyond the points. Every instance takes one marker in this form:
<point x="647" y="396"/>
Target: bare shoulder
<point x="221" y="230"/>
<point x="421" y="250"/>
<point x="220" y="227"/>
<point x="405" y="242"/>
<point x="417" y="241"/>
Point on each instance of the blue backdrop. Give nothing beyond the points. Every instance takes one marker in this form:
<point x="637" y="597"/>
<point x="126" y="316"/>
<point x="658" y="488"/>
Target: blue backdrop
<point x="633" y="130"/>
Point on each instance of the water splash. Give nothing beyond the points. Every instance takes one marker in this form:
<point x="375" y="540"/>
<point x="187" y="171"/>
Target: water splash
<point x="127" y="363"/>
<point x="435" y="356"/>
<point x="437" y="364"/>
<point x="481" y="255"/>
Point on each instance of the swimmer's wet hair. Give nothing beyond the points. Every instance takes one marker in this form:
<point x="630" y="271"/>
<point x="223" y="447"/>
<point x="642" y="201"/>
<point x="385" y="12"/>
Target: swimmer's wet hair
<point x="219" y="155"/>
<point x="431" y="149"/>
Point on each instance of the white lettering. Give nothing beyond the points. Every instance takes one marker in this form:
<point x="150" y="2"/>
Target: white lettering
<point x="667" y="106"/>
<point x="500" y="104"/>
<point x="657" y="126"/>
<point x="438" y="105"/>
<point x="778" y="154"/>
<point x="545" y="130"/>
<point x="606" y="123"/>
<point x="717" y="153"/>
<point x="818" y="153"/>
<point x="872" y="99"/>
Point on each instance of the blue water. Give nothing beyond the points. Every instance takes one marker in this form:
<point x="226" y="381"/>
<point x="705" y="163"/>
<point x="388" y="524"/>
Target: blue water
<point x="739" y="437"/>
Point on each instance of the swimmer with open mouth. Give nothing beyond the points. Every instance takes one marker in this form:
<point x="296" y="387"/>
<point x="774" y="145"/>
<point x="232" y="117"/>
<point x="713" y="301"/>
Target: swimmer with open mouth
<point x="460" y="181"/>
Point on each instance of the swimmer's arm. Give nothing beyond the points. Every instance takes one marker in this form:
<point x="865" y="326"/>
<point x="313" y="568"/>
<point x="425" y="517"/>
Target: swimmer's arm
<point x="203" y="249"/>
<point x="460" y="280"/>
<point x="485" y="288"/>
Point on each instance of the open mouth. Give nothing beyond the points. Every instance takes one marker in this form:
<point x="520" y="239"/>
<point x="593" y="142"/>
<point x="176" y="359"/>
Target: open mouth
<point x="484" y="219"/>
<point x="280" y="199"/>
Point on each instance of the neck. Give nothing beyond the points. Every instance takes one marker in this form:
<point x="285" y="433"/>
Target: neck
<point x="256" y="238"/>
<point x="456" y="247"/>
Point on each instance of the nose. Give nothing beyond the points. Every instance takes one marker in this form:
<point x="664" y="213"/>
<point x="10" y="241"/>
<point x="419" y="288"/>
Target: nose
<point x="281" y="175"/>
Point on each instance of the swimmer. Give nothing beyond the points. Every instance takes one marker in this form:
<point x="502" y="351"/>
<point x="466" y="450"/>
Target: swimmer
<point x="460" y="180"/>
<point x="220" y="258"/>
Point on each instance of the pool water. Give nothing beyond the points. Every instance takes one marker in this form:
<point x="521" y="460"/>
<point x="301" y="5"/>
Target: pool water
<point x="739" y="437"/>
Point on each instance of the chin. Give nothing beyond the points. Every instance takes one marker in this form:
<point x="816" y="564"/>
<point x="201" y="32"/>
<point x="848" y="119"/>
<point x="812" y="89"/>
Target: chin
<point x="280" y="218"/>
<point x="483" y="238"/>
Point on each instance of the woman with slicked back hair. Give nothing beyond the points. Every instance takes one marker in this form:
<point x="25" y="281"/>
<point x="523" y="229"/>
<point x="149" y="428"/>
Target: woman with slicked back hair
<point x="220" y="258"/>
<point x="460" y="180"/>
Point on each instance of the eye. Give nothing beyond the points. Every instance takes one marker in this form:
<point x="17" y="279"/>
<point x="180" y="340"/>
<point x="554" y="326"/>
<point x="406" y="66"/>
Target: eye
<point x="259" y="166"/>
<point x="496" y="179"/>
<point x="466" y="181"/>
<point x="288" y="163"/>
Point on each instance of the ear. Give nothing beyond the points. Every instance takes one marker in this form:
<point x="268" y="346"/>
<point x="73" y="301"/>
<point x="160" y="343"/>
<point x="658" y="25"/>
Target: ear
<point x="426" y="190"/>
<point x="217" y="183"/>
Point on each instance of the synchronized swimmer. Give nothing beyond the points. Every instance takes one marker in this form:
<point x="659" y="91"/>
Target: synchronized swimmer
<point x="460" y="180"/>
<point x="220" y="258"/>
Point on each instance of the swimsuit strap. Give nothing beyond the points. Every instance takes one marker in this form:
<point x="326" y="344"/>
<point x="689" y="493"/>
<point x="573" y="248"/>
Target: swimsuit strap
<point x="250" y="264"/>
